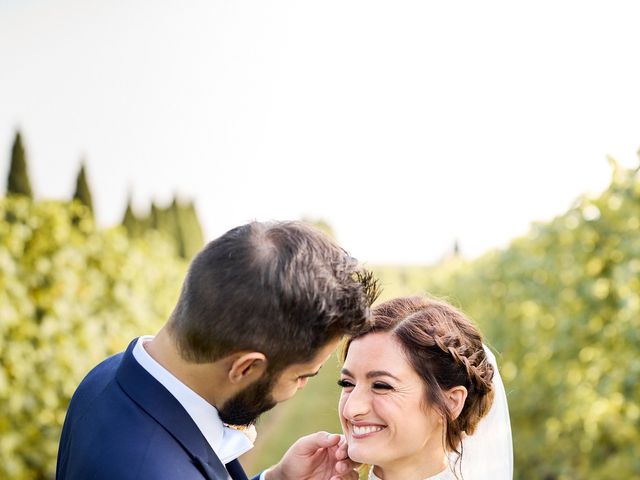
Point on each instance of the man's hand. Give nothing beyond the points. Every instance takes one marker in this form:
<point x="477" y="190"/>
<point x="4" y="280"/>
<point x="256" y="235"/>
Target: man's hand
<point x="320" y="456"/>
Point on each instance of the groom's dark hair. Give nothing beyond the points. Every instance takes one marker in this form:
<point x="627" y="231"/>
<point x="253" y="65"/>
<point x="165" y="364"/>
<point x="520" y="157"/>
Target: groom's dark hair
<point x="281" y="288"/>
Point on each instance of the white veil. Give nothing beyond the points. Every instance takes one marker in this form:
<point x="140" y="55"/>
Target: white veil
<point x="488" y="453"/>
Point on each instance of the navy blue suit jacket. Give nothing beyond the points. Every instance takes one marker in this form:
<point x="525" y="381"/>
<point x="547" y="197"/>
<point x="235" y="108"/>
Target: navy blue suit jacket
<point x="122" y="424"/>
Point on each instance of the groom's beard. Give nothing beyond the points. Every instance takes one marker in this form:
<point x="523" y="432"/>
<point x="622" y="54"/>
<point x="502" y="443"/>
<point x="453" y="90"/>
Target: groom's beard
<point x="246" y="406"/>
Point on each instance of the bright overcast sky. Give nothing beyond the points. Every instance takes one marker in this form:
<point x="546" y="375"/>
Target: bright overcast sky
<point x="404" y="124"/>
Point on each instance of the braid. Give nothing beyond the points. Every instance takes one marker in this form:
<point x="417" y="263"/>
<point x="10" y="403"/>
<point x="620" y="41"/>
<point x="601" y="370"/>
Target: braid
<point x="463" y="343"/>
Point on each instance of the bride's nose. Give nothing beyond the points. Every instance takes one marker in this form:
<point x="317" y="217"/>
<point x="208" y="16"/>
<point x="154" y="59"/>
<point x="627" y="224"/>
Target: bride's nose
<point x="356" y="404"/>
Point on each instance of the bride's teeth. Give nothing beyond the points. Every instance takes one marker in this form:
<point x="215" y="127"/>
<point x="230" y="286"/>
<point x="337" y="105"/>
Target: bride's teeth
<point x="364" y="430"/>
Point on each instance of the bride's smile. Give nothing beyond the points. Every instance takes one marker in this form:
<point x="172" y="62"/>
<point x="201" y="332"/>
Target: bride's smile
<point x="364" y="430"/>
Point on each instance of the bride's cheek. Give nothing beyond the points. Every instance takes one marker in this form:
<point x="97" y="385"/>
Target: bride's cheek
<point x="341" y="406"/>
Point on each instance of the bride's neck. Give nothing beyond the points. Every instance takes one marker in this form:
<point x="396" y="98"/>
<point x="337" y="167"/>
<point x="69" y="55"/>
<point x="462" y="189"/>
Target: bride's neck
<point x="411" y="470"/>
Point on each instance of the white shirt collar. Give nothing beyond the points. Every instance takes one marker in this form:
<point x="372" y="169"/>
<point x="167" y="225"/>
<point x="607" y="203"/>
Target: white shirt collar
<point x="227" y="443"/>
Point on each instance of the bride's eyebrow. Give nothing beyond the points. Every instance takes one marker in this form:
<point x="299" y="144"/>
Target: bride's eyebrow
<point x="372" y="374"/>
<point x="381" y="373"/>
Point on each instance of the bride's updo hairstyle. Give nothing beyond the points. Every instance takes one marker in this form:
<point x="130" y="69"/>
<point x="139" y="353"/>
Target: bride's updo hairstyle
<point x="446" y="351"/>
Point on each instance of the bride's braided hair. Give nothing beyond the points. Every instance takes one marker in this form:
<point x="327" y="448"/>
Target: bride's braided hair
<point x="446" y="350"/>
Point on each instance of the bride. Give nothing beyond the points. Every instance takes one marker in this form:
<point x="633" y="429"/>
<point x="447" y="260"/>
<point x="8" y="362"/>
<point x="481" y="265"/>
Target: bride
<point x="422" y="398"/>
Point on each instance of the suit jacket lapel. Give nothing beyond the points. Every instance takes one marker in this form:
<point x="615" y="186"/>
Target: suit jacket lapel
<point x="236" y="471"/>
<point x="156" y="400"/>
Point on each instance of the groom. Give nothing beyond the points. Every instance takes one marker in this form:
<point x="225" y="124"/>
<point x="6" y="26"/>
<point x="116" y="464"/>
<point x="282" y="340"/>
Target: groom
<point x="261" y="309"/>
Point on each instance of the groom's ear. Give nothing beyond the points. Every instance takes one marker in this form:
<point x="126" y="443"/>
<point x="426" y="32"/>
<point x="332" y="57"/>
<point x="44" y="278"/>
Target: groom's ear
<point x="246" y="367"/>
<point x="455" y="398"/>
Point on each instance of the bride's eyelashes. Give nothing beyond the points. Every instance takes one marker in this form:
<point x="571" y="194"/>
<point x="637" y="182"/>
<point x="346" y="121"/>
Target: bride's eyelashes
<point x="345" y="383"/>
<point x="376" y="385"/>
<point x="382" y="386"/>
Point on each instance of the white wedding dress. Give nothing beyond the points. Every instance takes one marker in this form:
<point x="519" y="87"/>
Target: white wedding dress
<point x="446" y="474"/>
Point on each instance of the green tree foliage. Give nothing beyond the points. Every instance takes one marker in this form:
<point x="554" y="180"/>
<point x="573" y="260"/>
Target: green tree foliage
<point x="172" y="215"/>
<point x="192" y="238"/>
<point x="178" y="222"/>
<point x="70" y="295"/>
<point x="134" y="226"/>
<point x="18" y="180"/>
<point x="82" y="192"/>
<point x="561" y="308"/>
<point x="157" y="220"/>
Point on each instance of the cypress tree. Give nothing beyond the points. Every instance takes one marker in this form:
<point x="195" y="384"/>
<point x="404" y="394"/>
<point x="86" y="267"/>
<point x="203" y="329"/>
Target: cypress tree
<point x="154" y="220"/>
<point x="191" y="230"/>
<point x="18" y="180"/>
<point x="130" y="221"/>
<point x="82" y="193"/>
<point x="177" y="231"/>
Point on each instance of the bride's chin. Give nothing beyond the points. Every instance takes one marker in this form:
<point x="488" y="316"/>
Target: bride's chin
<point x="360" y="455"/>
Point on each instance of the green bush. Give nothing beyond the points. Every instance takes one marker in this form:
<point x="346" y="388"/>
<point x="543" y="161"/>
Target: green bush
<point x="70" y="295"/>
<point x="562" y="307"/>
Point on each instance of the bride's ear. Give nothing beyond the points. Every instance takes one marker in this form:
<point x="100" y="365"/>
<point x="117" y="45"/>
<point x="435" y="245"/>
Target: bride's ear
<point x="455" y="398"/>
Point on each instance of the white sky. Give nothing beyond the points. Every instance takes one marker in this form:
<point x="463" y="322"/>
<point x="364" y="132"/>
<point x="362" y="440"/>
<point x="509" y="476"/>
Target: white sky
<point x="404" y="124"/>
